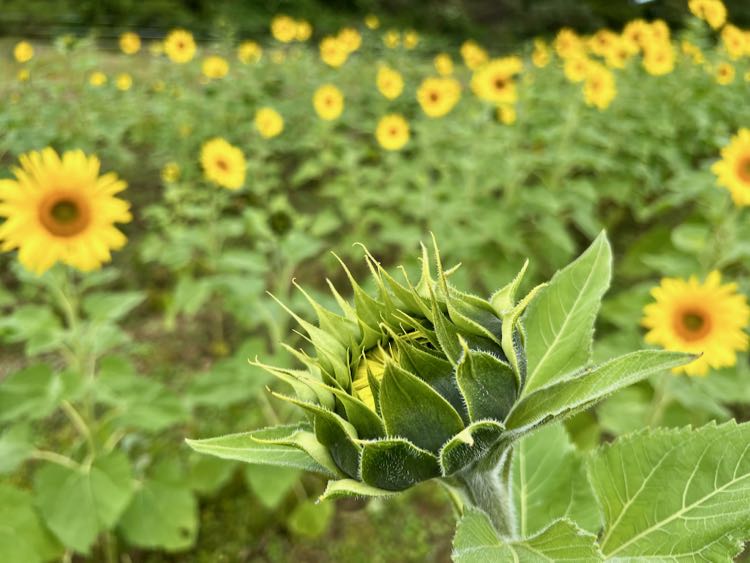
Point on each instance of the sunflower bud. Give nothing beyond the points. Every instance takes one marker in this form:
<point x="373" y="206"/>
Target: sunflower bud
<point x="413" y="383"/>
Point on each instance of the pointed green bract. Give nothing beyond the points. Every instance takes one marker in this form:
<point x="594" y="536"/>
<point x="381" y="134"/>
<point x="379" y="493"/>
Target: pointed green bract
<point x="470" y="445"/>
<point x="560" y="321"/>
<point x="413" y="410"/>
<point x="352" y="488"/>
<point x="682" y="495"/>
<point x="380" y="457"/>
<point x="487" y="384"/>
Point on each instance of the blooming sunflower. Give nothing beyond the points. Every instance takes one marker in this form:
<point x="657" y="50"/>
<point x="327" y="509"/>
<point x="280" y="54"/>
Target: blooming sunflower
<point x="350" y="39"/>
<point x="659" y="59"/>
<point x="249" y="52"/>
<point x="438" y="96"/>
<point x="97" y="78"/>
<point x="494" y="81"/>
<point x="473" y="55"/>
<point x="328" y="102"/>
<point x="734" y="41"/>
<point x="733" y="170"/>
<point x="392" y="39"/>
<point x="180" y="46"/>
<point x="712" y="12"/>
<point x="443" y="64"/>
<point x="223" y="164"/>
<point x="411" y="39"/>
<point x="215" y="67"/>
<point x="702" y="318"/>
<point x="61" y="210"/>
<point x="390" y="82"/>
<point x="23" y="52"/>
<point x="506" y="114"/>
<point x="171" y="172"/>
<point x="576" y="68"/>
<point x="130" y="43"/>
<point x="540" y="55"/>
<point x="284" y="28"/>
<point x="123" y="82"/>
<point x="567" y="43"/>
<point x="372" y="21"/>
<point x="304" y="30"/>
<point x="333" y="51"/>
<point x="392" y="132"/>
<point x="725" y="74"/>
<point x="599" y="89"/>
<point x="268" y="122"/>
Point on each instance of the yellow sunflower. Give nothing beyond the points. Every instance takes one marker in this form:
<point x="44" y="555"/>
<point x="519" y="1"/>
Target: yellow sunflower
<point x="215" y="67"/>
<point x="333" y="51"/>
<point x="702" y="318"/>
<point x="494" y="81"/>
<point x="223" y="164"/>
<point x="171" y="172"/>
<point x="97" y="78"/>
<point x="390" y="82"/>
<point x="268" y="122"/>
<point x="392" y="39"/>
<point x="304" y="30"/>
<point x="724" y="74"/>
<point x="599" y="89"/>
<point x="350" y="39"/>
<point x="659" y="59"/>
<point x="61" y="210"/>
<point x="23" y="52"/>
<point x="249" y="52"/>
<point x="328" y="102"/>
<point x="283" y="28"/>
<point x="438" y="96"/>
<point x="540" y="56"/>
<point x="180" y="46"/>
<point x="123" y="82"/>
<point x="392" y="132"/>
<point x="473" y="55"/>
<point x="130" y="43"/>
<point x="443" y="64"/>
<point x="733" y="170"/>
<point x="506" y="114"/>
<point x="372" y="21"/>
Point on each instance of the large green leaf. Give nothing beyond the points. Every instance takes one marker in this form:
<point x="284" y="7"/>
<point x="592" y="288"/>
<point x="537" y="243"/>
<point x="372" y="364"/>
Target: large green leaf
<point x="583" y="389"/>
<point x="549" y="482"/>
<point x="477" y="542"/>
<point x="163" y="513"/>
<point x="78" y="504"/>
<point x="560" y="321"/>
<point x="254" y="447"/>
<point x="681" y="495"/>
<point x="270" y="484"/>
<point x="15" y="446"/>
<point x="23" y="537"/>
<point x="33" y="393"/>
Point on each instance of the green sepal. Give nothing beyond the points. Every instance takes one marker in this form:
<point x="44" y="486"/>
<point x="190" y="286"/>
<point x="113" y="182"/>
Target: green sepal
<point x="510" y="342"/>
<point x="369" y="310"/>
<point x="344" y="330"/>
<point x="435" y="371"/>
<point x="305" y="440"/>
<point x="351" y="488"/>
<point x="335" y="433"/>
<point x="489" y="386"/>
<point x="299" y="381"/>
<point x="504" y="299"/>
<point x="470" y="445"/>
<point x="395" y="464"/>
<point x="412" y="409"/>
<point x="446" y="333"/>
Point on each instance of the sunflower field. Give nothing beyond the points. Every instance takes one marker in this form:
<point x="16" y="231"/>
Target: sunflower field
<point x="362" y="294"/>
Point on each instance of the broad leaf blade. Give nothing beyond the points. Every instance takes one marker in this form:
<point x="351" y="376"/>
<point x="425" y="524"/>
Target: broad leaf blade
<point x="560" y="321"/>
<point x="681" y="495"/>
<point x="584" y="389"/>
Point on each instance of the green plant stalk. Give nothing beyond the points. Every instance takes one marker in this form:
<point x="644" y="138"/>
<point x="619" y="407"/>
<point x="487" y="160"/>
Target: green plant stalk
<point x="486" y="491"/>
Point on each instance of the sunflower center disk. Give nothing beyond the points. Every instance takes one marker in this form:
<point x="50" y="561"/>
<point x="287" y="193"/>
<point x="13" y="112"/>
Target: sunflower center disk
<point x="693" y="325"/>
<point x="743" y="169"/>
<point x="64" y="215"/>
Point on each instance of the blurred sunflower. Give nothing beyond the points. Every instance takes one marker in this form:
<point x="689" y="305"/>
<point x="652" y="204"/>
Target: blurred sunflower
<point x="23" y="75"/>
<point x="473" y="55"/>
<point x="303" y="31"/>
<point x="733" y="170"/>
<point x="333" y="52"/>
<point x="249" y="52"/>
<point x="372" y="21"/>
<point x="599" y="89"/>
<point x="61" y="210"/>
<point x="23" y="52"/>
<point x="411" y="39"/>
<point x="506" y="114"/>
<point x="659" y="59"/>
<point x="438" y="96"/>
<point x="734" y="41"/>
<point x="170" y="172"/>
<point x="712" y="12"/>
<point x="328" y="102"/>
<point x="130" y="43"/>
<point x="567" y="43"/>
<point x="392" y="132"/>
<point x="268" y="122"/>
<point x="702" y="318"/>
<point x="576" y="68"/>
<point x="443" y="64"/>
<point x="350" y="39"/>
<point x="725" y="74"/>
<point x="123" y="82"/>
<point x="283" y="28"/>
<point x="390" y="82"/>
<point x="97" y="78"/>
<point x="494" y="82"/>
<point x="223" y="164"/>
<point x="180" y="46"/>
<point x="540" y="55"/>
<point x="638" y="32"/>
<point x="215" y="67"/>
<point x="392" y="39"/>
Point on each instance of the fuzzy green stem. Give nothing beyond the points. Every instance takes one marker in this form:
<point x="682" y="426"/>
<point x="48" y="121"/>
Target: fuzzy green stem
<point x="484" y="490"/>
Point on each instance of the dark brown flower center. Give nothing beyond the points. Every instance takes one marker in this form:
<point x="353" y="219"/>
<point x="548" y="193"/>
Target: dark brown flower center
<point x="692" y="324"/>
<point x="222" y="164"/>
<point x="743" y="169"/>
<point x="64" y="215"/>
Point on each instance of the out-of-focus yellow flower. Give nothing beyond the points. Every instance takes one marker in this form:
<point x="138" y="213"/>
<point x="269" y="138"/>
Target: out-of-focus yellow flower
<point x="97" y="78"/>
<point x="473" y="55"/>
<point x="567" y="43"/>
<point x="170" y="172"/>
<point x="249" y="52"/>
<point x="599" y="88"/>
<point x="712" y="12"/>
<point x="392" y="39"/>
<point x="59" y="209"/>
<point x="601" y="42"/>
<point x="223" y="164"/>
<point x="438" y="96"/>
<point x="576" y="68"/>
<point x="693" y="51"/>
<point x="350" y="39"/>
<point x="659" y="59"/>
<point x="304" y="30"/>
<point x="283" y="28"/>
<point x="390" y="83"/>
<point x="130" y="43"/>
<point x="180" y="46"/>
<point x="733" y="39"/>
<point x="620" y="52"/>
<point x="392" y="132"/>
<point x="659" y="31"/>
<point x="733" y="170"/>
<point x="725" y="74"/>
<point x="333" y="52"/>
<point x="23" y="52"/>
<point x="706" y="319"/>
<point x="540" y="55"/>
<point x="372" y="21"/>
<point x="23" y="75"/>
<point x="411" y="39"/>
<point x="215" y="67"/>
<point x="494" y="82"/>
<point x="123" y="81"/>
<point x="443" y="64"/>
<point x="268" y="122"/>
<point x="328" y="102"/>
<point x="506" y="114"/>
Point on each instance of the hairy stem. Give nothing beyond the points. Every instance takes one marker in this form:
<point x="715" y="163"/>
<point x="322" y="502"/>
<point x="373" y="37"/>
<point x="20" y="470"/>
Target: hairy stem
<point x="485" y="490"/>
